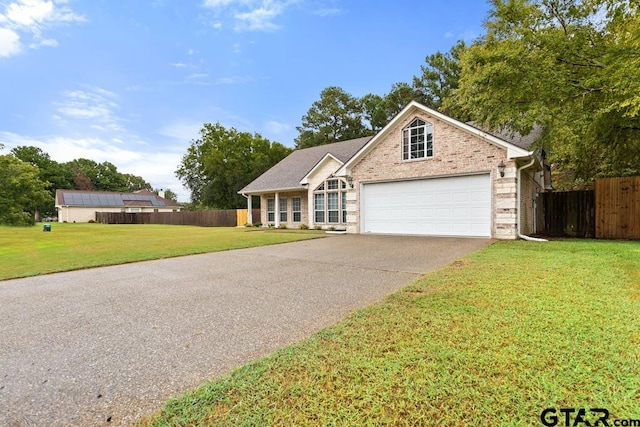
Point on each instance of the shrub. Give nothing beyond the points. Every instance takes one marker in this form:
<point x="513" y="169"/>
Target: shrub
<point x="257" y="224"/>
<point x="304" y="227"/>
<point x="317" y="227"/>
<point x="282" y="226"/>
<point x="332" y="228"/>
<point x="91" y="221"/>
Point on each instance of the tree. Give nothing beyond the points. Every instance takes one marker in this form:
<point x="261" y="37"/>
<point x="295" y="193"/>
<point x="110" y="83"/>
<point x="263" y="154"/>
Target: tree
<point x="571" y="67"/>
<point x="21" y="191"/>
<point x="374" y="111"/>
<point x="439" y="80"/>
<point x="135" y="183"/>
<point x="90" y="175"/>
<point x="398" y="97"/>
<point x="336" y="116"/>
<point x="168" y="194"/>
<point x="58" y="175"/>
<point x="222" y="161"/>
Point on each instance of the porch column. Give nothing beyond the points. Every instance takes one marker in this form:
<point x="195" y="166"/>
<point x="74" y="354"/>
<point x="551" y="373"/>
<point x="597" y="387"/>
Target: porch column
<point x="277" y="211"/>
<point x="249" y="215"/>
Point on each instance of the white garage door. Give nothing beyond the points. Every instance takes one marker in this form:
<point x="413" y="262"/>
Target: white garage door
<point x="454" y="206"/>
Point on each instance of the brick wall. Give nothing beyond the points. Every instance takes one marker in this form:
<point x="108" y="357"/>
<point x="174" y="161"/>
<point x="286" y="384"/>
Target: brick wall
<point x="289" y="196"/>
<point x="455" y="152"/>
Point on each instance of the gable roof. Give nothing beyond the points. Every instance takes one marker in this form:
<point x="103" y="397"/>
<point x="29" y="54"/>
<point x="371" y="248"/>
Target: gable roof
<point x="513" y="150"/>
<point x="112" y="199"/>
<point x="290" y="171"/>
<point x="522" y="141"/>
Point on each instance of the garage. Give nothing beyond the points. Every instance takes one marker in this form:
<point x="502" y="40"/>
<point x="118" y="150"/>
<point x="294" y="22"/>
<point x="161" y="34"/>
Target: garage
<point x="451" y="206"/>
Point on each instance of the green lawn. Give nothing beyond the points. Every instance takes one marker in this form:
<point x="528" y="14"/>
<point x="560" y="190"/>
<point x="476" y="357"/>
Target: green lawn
<point x="28" y="251"/>
<point x="490" y="340"/>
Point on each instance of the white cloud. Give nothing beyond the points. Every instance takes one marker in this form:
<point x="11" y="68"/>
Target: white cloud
<point x="217" y="3"/>
<point x="229" y="80"/>
<point x="259" y="19"/>
<point x="277" y="128"/>
<point x="24" y="17"/>
<point x="44" y="42"/>
<point x="327" y="12"/>
<point x="9" y="42"/>
<point x="249" y="15"/>
<point x="97" y="106"/>
<point x="29" y="12"/>
<point x="155" y="166"/>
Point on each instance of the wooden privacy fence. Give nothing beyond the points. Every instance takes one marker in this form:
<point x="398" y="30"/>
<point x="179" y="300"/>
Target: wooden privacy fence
<point x="569" y="213"/>
<point x="611" y="211"/>
<point x="618" y="208"/>
<point x="211" y="218"/>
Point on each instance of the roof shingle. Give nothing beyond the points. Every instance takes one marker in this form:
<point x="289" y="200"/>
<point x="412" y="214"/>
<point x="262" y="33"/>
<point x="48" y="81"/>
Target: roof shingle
<point x="290" y="170"/>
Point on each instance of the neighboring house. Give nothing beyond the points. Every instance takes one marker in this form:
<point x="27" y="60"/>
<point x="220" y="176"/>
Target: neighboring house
<point x="81" y="206"/>
<point x="424" y="173"/>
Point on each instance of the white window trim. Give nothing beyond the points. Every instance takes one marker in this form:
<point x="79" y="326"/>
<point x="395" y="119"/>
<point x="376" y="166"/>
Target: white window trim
<point x="273" y="206"/>
<point x="294" y="211"/>
<point x="283" y="210"/>
<point x="407" y="129"/>
<point x="324" y="191"/>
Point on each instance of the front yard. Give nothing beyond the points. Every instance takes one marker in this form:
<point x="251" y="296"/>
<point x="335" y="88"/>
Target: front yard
<point x="492" y="339"/>
<point x="28" y="251"/>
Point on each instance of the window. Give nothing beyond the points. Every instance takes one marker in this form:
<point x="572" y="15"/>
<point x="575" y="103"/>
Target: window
<point x="330" y="202"/>
<point x="417" y="140"/>
<point x="319" y="208"/>
<point x="271" y="207"/>
<point x="295" y="209"/>
<point x="283" y="209"/>
<point x="332" y="207"/>
<point x="134" y="209"/>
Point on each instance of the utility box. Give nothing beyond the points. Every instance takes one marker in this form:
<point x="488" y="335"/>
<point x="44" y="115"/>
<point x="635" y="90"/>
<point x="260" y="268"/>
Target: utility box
<point x="47" y="227"/>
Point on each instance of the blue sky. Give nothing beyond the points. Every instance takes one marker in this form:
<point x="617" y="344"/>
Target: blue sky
<point x="132" y="81"/>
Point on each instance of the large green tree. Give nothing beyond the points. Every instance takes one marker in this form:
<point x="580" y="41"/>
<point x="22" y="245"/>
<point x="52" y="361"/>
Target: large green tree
<point x="91" y="175"/>
<point x="336" y="116"/>
<point x="22" y="193"/>
<point x="222" y="161"/>
<point x="572" y="67"/>
<point x="58" y="175"/>
<point x="439" y="79"/>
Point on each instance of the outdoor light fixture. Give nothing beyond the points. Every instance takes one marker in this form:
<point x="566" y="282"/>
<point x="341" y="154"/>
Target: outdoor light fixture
<point x="350" y="181"/>
<point x="501" y="169"/>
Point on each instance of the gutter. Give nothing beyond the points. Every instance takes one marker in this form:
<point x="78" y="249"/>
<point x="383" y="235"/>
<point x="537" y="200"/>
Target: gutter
<point x="518" y="206"/>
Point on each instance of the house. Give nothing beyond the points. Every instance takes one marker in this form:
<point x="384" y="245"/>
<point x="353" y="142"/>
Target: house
<point x="81" y="206"/>
<point x="424" y="173"/>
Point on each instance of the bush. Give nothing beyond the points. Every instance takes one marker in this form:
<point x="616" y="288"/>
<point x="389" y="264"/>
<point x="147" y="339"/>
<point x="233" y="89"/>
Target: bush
<point x="332" y="228"/>
<point x="282" y="226"/>
<point x="317" y="227"/>
<point x="304" y="227"/>
<point x="257" y="224"/>
<point x="91" y="221"/>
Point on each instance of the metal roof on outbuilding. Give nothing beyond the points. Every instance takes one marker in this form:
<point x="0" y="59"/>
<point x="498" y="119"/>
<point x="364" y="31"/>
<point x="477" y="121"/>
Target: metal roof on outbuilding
<point x="111" y="199"/>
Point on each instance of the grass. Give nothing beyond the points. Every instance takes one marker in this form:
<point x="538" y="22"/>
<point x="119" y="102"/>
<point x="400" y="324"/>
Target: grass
<point x="491" y="340"/>
<point x="28" y="251"/>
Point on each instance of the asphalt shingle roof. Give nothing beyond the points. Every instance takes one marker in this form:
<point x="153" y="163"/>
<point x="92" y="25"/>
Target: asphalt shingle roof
<point x="290" y="170"/>
<point x="522" y="141"/>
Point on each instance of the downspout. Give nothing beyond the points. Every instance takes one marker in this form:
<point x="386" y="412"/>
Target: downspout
<point x="518" y="206"/>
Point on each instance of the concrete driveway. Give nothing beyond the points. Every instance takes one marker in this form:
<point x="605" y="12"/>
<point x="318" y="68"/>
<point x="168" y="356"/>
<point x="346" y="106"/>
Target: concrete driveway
<point x="106" y="346"/>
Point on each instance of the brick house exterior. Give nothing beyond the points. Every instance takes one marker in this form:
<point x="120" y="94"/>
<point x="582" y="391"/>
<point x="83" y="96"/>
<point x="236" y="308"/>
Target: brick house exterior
<point x="438" y="175"/>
